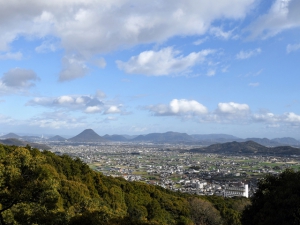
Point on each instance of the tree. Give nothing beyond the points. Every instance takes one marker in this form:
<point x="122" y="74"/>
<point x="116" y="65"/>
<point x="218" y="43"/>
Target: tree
<point x="23" y="180"/>
<point x="277" y="201"/>
<point x="204" y="213"/>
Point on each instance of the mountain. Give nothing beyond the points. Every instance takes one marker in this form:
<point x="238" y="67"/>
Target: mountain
<point x="17" y="142"/>
<point x="165" y="137"/>
<point x="87" y="135"/>
<point x="287" y="141"/>
<point x="57" y="138"/>
<point x="264" y="141"/>
<point x="115" y="137"/>
<point x="248" y="147"/>
<point x="214" y="137"/>
<point x="129" y="137"/>
<point x="10" y="135"/>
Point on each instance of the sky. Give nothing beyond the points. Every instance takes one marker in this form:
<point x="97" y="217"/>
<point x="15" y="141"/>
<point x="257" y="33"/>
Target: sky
<point x="137" y="67"/>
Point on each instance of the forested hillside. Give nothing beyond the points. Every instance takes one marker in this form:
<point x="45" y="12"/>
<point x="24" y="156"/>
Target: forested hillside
<point x="43" y="188"/>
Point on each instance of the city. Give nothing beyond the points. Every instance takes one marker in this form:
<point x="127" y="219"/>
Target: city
<point x="174" y="167"/>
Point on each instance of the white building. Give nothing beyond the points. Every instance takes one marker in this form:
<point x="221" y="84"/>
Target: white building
<point x="232" y="191"/>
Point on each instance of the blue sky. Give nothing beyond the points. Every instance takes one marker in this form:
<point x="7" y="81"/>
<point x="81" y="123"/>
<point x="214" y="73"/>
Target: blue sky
<point x="137" y="67"/>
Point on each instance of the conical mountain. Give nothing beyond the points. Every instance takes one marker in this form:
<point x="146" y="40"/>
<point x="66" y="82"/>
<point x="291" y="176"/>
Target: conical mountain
<point x="57" y="138"/>
<point x="87" y="135"/>
<point x="11" y="135"/>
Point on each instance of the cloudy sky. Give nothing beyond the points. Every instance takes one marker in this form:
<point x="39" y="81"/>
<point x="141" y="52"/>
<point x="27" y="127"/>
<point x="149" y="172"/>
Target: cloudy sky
<point x="136" y="67"/>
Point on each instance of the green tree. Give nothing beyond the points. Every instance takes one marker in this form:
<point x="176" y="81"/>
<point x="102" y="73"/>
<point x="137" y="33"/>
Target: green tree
<point x="277" y="201"/>
<point x="23" y="180"/>
<point x="204" y="213"/>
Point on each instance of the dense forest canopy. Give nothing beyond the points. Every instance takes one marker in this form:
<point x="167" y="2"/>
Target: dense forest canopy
<point x="277" y="201"/>
<point x="43" y="188"/>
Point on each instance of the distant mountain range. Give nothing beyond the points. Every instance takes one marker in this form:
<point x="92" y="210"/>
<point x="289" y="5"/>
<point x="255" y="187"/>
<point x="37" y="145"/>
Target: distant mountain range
<point x="247" y="147"/>
<point x="89" y="135"/>
<point x="165" y="137"/>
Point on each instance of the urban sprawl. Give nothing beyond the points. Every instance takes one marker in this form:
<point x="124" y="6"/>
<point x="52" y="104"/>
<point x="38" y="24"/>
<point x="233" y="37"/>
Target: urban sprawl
<point x="173" y="167"/>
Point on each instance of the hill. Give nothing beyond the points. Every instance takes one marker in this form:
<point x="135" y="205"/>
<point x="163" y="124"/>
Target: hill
<point x="87" y="135"/>
<point x="248" y="147"/>
<point x="115" y="137"/>
<point x="167" y="137"/>
<point x="43" y="188"/>
<point x="287" y="141"/>
<point x="264" y="141"/>
<point x="215" y="137"/>
<point x="57" y="138"/>
<point x="17" y="142"/>
<point x="10" y="135"/>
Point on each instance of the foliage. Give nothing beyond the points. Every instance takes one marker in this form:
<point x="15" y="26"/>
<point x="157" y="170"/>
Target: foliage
<point x="277" y="200"/>
<point x="43" y="188"/>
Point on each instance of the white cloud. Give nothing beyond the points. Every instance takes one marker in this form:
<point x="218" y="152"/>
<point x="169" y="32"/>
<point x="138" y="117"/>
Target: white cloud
<point x="292" y="118"/>
<point x="17" y="81"/>
<point x="72" y="68"/>
<point x="286" y="119"/>
<point x="112" y="110"/>
<point x="89" y="28"/>
<point x="292" y="48"/>
<point x="218" y="32"/>
<point x="47" y="46"/>
<point x="164" y="62"/>
<point x="232" y="108"/>
<point x="93" y="109"/>
<point x="11" y="55"/>
<point x="248" y="54"/>
<point x="266" y="117"/>
<point x="211" y="73"/>
<point x="19" y="78"/>
<point x="179" y="107"/>
<point x="283" y="15"/>
<point x="84" y="103"/>
<point x="62" y="100"/>
<point x="200" y="41"/>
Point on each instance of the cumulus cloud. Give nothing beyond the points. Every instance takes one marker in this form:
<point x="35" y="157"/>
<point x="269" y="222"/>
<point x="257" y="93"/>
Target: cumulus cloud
<point x="85" y="103"/>
<point x="226" y="112"/>
<point x="163" y="62"/>
<point x="248" y="54"/>
<point x="110" y="25"/>
<point x="72" y="68"/>
<point x="232" y="112"/>
<point x="19" y="78"/>
<point x="178" y="107"/>
<point x="286" y="119"/>
<point x="17" y="81"/>
<point x="292" y="48"/>
<point x="283" y="15"/>
<point x="113" y="109"/>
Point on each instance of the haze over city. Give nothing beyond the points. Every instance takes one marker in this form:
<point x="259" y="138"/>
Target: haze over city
<point x="136" y="67"/>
